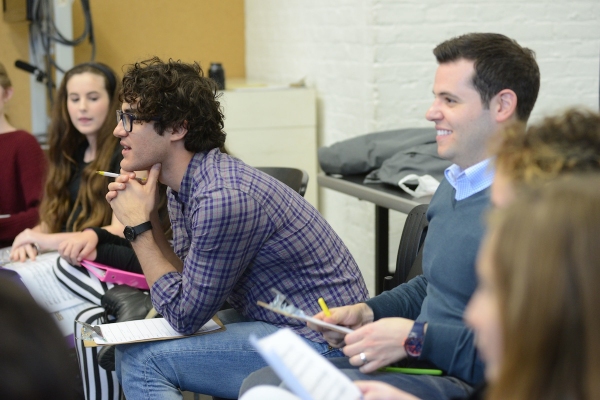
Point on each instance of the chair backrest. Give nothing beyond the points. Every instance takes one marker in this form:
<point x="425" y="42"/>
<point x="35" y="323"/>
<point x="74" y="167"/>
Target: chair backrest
<point x="408" y="261"/>
<point x="295" y="178"/>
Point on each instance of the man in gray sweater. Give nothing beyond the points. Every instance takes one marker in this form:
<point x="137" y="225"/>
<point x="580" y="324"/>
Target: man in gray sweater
<point x="484" y="82"/>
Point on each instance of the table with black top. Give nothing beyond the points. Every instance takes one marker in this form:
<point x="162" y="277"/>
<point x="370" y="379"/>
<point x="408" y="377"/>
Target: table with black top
<point x="385" y="197"/>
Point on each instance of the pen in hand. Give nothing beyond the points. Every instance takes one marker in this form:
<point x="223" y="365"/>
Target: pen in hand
<point x="324" y="307"/>
<point x="113" y="175"/>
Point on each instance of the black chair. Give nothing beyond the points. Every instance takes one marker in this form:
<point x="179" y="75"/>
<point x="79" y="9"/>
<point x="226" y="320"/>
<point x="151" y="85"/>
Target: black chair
<point x="410" y="250"/>
<point x="295" y="178"/>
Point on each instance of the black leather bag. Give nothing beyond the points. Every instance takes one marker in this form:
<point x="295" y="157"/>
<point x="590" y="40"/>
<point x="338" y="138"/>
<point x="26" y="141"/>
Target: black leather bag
<point x="122" y="303"/>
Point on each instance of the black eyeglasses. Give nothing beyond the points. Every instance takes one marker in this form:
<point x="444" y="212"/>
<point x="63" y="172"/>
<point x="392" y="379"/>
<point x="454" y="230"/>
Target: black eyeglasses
<point x="127" y="120"/>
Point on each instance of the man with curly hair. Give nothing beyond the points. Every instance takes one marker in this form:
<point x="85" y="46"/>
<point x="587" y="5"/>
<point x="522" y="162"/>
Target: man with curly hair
<point x="237" y="233"/>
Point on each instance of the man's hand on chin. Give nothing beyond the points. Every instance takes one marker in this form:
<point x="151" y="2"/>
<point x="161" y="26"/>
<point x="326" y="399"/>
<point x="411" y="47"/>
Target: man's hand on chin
<point x="131" y="201"/>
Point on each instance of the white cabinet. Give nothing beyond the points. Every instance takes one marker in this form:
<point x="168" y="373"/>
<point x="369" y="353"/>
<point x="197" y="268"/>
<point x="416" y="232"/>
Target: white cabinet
<point x="268" y="127"/>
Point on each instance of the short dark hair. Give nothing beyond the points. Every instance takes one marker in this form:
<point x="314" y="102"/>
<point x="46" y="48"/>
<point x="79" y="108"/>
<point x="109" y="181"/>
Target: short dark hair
<point x="181" y="96"/>
<point x="500" y="63"/>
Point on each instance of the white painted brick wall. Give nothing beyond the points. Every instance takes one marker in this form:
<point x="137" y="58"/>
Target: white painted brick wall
<point x="371" y="62"/>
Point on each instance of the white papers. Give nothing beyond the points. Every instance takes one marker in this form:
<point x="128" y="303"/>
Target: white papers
<point x="303" y="317"/>
<point x="308" y="374"/>
<point x="43" y="285"/>
<point x="142" y="330"/>
<point x="337" y="328"/>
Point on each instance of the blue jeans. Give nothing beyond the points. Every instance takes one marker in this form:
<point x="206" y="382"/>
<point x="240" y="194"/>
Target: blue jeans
<point x="213" y="364"/>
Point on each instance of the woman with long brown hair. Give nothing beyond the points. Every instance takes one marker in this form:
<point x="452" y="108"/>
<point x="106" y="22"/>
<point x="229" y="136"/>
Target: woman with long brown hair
<point x="81" y="142"/>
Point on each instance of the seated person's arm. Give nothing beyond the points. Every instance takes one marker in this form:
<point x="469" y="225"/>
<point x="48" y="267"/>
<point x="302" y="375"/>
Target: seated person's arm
<point x="384" y="338"/>
<point x="382" y="342"/>
<point x="453" y="345"/>
<point x="218" y="252"/>
<point x="82" y="245"/>
<point x="25" y="243"/>
<point x="163" y="243"/>
<point x="115" y="227"/>
<point x="353" y="317"/>
<point x="30" y="163"/>
<point x="76" y="245"/>
<point x="402" y="301"/>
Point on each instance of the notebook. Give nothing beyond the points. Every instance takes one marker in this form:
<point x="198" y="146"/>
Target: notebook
<point x="115" y="275"/>
<point x="309" y="375"/>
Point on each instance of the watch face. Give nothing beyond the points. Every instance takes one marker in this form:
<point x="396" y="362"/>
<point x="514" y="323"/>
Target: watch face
<point x="129" y="233"/>
<point x="413" y="346"/>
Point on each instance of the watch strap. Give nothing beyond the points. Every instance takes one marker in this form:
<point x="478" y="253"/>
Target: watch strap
<point x="141" y="228"/>
<point x="414" y="341"/>
<point x="131" y="233"/>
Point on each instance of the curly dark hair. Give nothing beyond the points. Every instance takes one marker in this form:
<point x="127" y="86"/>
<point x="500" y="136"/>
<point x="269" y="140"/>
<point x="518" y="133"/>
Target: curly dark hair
<point x="500" y="63"/>
<point x="181" y="96"/>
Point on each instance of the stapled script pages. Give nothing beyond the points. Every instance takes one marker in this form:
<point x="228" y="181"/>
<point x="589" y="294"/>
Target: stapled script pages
<point x="307" y="373"/>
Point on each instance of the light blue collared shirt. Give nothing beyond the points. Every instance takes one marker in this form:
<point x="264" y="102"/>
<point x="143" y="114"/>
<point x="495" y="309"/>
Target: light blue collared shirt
<point x="472" y="180"/>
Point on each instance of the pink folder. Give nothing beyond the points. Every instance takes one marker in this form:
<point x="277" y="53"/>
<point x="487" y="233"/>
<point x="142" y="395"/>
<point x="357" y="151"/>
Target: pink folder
<point x="115" y="275"/>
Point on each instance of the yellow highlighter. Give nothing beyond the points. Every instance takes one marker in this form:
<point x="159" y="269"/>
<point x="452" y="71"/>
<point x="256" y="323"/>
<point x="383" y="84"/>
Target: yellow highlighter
<point x="324" y="307"/>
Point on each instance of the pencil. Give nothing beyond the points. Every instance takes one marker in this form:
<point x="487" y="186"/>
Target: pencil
<point x="324" y="307"/>
<point x="413" y="371"/>
<point x="113" y="175"/>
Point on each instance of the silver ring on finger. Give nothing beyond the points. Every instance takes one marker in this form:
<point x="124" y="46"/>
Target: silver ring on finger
<point x="363" y="358"/>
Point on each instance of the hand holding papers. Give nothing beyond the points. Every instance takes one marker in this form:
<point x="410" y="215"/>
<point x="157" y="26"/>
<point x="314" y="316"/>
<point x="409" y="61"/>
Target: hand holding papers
<point x="281" y="306"/>
<point x="308" y="374"/>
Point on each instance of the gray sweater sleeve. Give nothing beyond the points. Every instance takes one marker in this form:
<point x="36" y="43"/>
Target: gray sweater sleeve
<point x="403" y="301"/>
<point x="452" y="345"/>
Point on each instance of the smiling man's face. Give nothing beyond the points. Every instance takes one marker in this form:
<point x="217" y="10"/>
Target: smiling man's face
<point x="464" y="126"/>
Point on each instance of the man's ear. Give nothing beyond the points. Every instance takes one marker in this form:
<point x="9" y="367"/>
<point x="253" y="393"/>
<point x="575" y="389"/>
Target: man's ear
<point x="179" y="132"/>
<point x="504" y="104"/>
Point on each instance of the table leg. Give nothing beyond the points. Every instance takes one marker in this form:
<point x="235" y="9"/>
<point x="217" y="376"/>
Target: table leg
<point x="381" y="247"/>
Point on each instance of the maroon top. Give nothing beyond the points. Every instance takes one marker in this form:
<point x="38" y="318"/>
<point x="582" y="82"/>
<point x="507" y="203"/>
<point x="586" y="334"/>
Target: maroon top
<point x="22" y="172"/>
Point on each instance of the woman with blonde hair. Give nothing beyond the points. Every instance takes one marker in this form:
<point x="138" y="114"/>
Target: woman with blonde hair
<point x="23" y="168"/>
<point x="540" y="272"/>
<point x="566" y="143"/>
<point x="81" y="142"/>
<point x="535" y="311"/>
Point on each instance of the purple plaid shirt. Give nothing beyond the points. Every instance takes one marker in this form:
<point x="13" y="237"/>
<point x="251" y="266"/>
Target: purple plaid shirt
<point x="241" y="232"/>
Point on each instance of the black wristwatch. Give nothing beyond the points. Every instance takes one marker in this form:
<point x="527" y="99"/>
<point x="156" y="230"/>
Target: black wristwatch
<point x="414" y="342"/>
<point x="131" y="233"/>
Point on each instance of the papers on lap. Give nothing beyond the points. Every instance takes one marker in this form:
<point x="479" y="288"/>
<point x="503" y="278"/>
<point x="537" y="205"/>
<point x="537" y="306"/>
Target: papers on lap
<point x="308" y="374"/>
<point x="40" y="281"/>
<point x="141" y="331"/>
